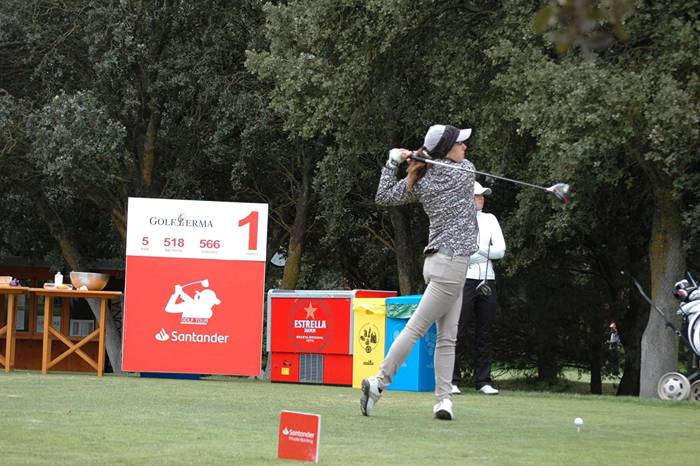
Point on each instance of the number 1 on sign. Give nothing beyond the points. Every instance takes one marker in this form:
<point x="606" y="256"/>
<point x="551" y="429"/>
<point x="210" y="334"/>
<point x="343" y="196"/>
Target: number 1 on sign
<point x="251" y="220"/>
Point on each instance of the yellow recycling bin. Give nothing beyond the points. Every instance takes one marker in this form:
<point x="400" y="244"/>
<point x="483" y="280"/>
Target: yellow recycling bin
<point x="369" y="337"/>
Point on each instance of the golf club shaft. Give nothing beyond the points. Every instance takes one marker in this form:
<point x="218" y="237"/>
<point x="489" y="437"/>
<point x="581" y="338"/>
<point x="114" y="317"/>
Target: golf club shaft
<point x="188" y="284"/>
<point x="443" y="164"/>
<point x="669" y="324"/>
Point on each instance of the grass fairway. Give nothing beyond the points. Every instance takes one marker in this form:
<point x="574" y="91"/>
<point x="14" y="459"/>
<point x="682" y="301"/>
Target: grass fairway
<point x="83" y="419"/>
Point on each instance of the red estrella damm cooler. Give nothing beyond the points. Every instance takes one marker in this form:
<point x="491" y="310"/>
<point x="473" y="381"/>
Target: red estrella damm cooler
<point x="310" y="334"/>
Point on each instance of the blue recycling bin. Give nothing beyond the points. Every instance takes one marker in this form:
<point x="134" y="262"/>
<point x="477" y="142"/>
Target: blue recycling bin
<point x="417" y="373"/>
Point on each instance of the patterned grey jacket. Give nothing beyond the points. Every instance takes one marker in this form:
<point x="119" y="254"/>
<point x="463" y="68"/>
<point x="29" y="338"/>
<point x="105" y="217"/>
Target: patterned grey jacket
<point x="447" y="197"/>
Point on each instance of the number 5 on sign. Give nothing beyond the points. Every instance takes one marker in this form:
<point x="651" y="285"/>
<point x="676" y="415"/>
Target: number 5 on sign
<point x="252" y="221"/>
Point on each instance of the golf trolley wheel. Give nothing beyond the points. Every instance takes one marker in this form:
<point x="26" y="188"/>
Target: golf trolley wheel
<point x="674" y="386"/>
<point x="695" y="391"/>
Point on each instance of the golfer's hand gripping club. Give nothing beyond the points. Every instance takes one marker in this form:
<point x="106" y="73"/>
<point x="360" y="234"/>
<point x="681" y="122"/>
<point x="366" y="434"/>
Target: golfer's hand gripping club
<point x="398" y="156"/>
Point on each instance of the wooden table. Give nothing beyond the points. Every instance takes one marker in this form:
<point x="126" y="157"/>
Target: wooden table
<point x="49" y="293"/>
<point x="9" y="330"/>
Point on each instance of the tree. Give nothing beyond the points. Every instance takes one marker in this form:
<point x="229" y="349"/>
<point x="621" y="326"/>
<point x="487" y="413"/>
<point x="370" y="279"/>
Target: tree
<point x="622" y="121"/>
<point x="385" y="70"/>
<point x="371" y="82"/>
<point x="126" y="91"/>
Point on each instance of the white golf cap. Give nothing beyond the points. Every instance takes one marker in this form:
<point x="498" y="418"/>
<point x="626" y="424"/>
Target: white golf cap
<point x="436" y="132"/>
<point x="478" y="189"/>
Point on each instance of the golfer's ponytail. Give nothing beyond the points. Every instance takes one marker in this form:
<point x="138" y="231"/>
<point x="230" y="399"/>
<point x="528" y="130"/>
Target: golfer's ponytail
<point x="416" y="170"/>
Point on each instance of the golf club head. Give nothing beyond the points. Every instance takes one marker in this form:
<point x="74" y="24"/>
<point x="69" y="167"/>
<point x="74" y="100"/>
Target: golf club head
<point x="561" y="191"/>
<point x="205" y="283"/>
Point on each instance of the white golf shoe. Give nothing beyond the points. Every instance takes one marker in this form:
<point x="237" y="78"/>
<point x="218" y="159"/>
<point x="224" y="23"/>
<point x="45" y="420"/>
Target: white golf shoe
<point x="370" y="395"/>
<point x="455" y="390"/>
<point x="443" y="410"/>
<point x="488" y="390"/>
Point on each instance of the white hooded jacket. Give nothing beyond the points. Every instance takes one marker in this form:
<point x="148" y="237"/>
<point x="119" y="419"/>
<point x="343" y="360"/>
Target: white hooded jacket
<point x="492" y="246"/>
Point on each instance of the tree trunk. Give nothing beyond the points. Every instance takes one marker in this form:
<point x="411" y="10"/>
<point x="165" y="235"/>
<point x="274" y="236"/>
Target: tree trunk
<point x="69" y="252"/>
<point x="113" y="337"/>
<point x="596" y="377"/>
<point x="596" y="353"/>
<point x="631" y="329"/>
<point x="149" y="147"/>
<point x="292" y="267"/>
<point x="547" y="369"/>
<point x="119" y="219"/>
<point x="660" y="344"/>
<point x="57" y="229"/>
<point x="406" y="251"/>
<point x="629" y="384"/>
<point x="409" y="257"/>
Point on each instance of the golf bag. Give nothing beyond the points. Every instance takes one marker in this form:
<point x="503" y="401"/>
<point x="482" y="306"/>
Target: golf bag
<point x="674" y="385"/>
<point x="689" y="295"/>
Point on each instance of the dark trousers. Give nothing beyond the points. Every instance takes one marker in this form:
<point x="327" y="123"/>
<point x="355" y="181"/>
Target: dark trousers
<point x="481" y="310"/>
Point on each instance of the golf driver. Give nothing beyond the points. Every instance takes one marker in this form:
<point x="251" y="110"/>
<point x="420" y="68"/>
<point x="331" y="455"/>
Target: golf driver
<point x="559" y="190"/>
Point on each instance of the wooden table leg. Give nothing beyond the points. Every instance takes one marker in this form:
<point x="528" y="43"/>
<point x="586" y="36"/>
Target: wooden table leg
<point x="101" y="344"/>
<point x="48" y="305"/>
<point x="9" y="343"/>
<point x="14" y="349"/>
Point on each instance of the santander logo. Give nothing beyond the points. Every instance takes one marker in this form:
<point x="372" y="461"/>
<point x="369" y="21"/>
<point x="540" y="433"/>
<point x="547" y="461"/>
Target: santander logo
<point x="162" y="335"/>
<point x="300" y="436"/>
<point x="192" y="337"/>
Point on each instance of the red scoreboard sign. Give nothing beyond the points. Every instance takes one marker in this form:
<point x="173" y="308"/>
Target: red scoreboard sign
<point x="195" y="278"/>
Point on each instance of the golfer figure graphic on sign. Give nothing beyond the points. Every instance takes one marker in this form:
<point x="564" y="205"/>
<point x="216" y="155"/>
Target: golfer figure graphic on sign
<point x="195" y="310"/>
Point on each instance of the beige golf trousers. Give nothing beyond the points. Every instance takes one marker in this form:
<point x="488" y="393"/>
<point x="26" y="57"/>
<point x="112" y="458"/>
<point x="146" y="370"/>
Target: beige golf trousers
<point x="441" y="303"/>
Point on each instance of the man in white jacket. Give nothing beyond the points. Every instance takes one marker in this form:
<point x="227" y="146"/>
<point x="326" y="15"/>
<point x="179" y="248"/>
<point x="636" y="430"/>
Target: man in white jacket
<point x="479" y="298"/>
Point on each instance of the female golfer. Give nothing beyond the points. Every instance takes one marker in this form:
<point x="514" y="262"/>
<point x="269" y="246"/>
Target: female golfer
<point x="447" y="196"/>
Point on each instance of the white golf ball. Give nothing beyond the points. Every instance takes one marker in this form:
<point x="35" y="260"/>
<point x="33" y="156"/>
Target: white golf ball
<point x="578" y="422"/>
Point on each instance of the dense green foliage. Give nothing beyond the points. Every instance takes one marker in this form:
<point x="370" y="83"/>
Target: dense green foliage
<point x="296" y="103"/>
